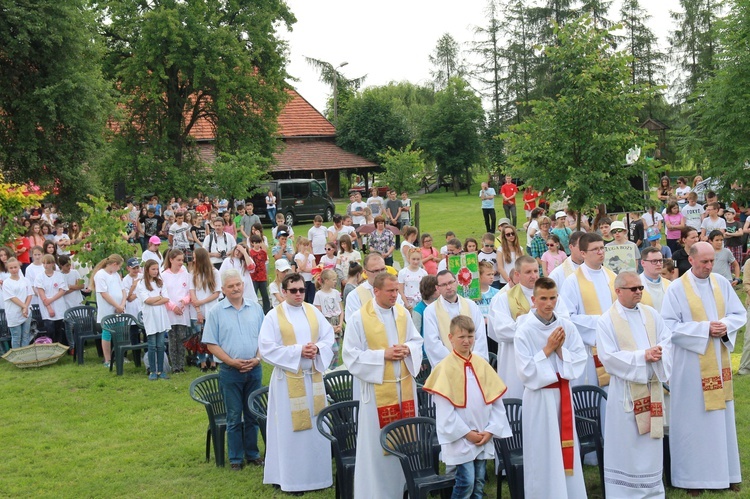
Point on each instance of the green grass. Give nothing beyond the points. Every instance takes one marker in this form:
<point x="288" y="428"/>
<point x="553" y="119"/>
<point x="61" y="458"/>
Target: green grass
<point x="81" y="431"/>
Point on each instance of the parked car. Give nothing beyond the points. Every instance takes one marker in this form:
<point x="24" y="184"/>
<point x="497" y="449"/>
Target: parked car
<point x="297" y="199"/>
<point x="360" y="187"/>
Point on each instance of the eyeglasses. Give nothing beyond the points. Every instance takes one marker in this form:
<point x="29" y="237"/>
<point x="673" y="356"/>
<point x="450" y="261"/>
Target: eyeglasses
<point x="600" y="249"/>
<point x="445" y="284"/>
<point x="375" y="271"/>
<point x="655" y="262"/>
<point x="329" y="249"/>
<point x="295" y="291"/>
<point x="633" y="289"/>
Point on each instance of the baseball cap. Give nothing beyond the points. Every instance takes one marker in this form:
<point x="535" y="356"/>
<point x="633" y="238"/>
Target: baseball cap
<point x="653" y="234"/>
<point x="503" y="221"/>
<point x="617" y="225"/>
<point x="282" y="233"/>
<point x="154" y="240"/>
<point x="730" y="210"/>
<point x="282" y="265"/>
<point x="560" y="214"/>
<point x="133" y="262"/>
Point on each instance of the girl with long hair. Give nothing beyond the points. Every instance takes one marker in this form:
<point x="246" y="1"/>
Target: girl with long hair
<point x="241" y="261"/>
<point x="204" y="295"/>
<point x="110" y="297"/>
<point x="154" y="299"/>
<point x="510" y="251"/>
<point x="178" y="283"/>
<point x="36" y="238"/>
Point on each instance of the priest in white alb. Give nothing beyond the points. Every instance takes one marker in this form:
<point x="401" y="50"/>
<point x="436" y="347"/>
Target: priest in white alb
<point x="704" y="313"/>
<point x="588" y="293"/>
<point x="383" y="350"/>
<point x="296" y="339"/>
<point x="655" y="286"/>
<point x="437" y="319"/>
<point x="634" y="346"/>
<point x="373" y="264"/>
<point x="570" y="264"/>
<point x="549" y="355"/>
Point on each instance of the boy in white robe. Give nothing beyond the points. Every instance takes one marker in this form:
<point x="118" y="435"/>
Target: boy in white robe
<point x="469" y="410"/>
<point x="634" y="346"/>
<point x="377" y="475"/>
<point x="703" y="439"/>
<point x="549" y="354"/>
<point x="298" y="457"/>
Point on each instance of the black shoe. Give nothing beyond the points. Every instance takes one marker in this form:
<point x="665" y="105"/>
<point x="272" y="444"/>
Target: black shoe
<point x="213" y="368"/>
<point x="236" y="467"/>
<point x="256" y="462"/>
<point x="204" y="369"/>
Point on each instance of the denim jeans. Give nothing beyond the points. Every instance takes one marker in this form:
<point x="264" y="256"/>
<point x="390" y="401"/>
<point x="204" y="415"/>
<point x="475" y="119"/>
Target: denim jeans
<point x="156" y="352"/>
<point x="20" y="335"/>
<point x="242" y="428"/>
<point x="272" y="216"/>
<point x="470" y="480"/>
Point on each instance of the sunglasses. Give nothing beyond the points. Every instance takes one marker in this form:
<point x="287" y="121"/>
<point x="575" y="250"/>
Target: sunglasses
<point x="510" y="234"/>
<point x="295" y="291"/>
<point x="633" y="289"/>
<point x="489" y="245"/>
<point x="551" y="245"/>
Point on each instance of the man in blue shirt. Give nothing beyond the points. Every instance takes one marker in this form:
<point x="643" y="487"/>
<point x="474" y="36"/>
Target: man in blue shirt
<point x="231" y="335"/>
<point x="487" y="195"/>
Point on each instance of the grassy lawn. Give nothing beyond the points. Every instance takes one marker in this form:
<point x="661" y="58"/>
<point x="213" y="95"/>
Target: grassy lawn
<point x="73" y="431"/>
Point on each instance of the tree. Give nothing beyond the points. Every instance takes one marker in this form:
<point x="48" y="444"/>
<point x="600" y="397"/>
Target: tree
<point x="694" y="42"/>
<point x="408" y="100"/>
<point x="343" y="88"/>
<point x="370" y="126"/>
<point x="177" y="64"/>
<point x="53" y="99"/>
<point x="489" y="70"/>
<point x="647" y="62"/>
<point x="521" y="60"/>
<point x="721" y="115"/>
<point x="403" y="168"/>
<point x="447" y="61"/>
<point x="104" y="231"/>
<point x="451" y="132"/>
<point x="576" y="144"/>
<point x="597" y="10"/>
<point x="238" y="176"/>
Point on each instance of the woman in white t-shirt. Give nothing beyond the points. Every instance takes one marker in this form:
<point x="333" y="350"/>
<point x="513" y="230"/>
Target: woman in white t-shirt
<point x="154" y="298"/>
<point x="17" y="294"/>
<point x="178" y="282"/>
<point x="73" y="296"/>
<point x="110" y="297"/>
<point x="51" y="287"/>
<point x="409" y="278"/>
<point x="204" y="296"/>
<point x="242" y="262"/>
<point x="305" y="261"/>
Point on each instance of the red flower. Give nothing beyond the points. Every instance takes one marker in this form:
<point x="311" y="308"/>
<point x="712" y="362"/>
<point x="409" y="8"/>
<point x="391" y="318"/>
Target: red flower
<point x="464" y="277"/>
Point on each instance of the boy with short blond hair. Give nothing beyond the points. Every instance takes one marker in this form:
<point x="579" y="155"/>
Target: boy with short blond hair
<point x="469" y="409"/>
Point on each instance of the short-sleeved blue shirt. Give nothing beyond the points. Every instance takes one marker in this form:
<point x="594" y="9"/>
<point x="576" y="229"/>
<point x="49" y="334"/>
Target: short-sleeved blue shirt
<point x="235" y="331"/>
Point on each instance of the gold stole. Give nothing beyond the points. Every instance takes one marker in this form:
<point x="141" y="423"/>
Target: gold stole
<point x="364" y="294"/>
<point x="386" y="393"/>
<point x="295" y="382"/>
<point x="517" y="302"/>
<point x="448" y="379"/>
<point x="648" y="407"/>
<point x="717" y="386"/>
<point x="646" y="297"/>
<point x="567" y="266"/>
<point x="592" y="307"/>
<point x="444" y="319"/>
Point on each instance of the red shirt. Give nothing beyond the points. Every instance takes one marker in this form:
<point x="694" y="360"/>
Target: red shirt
<point x="260" y="258"/>
<point x="509" y="190"/>
<point x="202" y="209"/>
<point x="23" y="247"/>
<point x="529" y="199"/>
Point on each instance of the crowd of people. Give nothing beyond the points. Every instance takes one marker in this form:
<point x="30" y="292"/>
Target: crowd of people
<point x="596" y="301"/>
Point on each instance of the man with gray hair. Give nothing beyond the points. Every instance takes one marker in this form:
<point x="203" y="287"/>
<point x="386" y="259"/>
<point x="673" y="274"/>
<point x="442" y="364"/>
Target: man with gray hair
<point x="704" y="314"/>
<point x="634" y="346"/>
<point x="231" y="335"/>
<point x="374" y="264"/>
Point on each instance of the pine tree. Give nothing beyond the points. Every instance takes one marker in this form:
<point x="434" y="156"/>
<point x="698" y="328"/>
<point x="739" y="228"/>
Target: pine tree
<point x="447" y="61"/>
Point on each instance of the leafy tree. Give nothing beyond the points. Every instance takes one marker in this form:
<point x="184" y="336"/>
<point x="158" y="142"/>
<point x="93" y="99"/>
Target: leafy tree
<point x="721" y="117"/>
<point x="598" y="10"/>
<point x="104" y="231"/>
<point x="177" y="63"/>
<point x="694" y="42"/>
<point x="13" y="200"/>
<point x="238" y="176"/>
<point x="402" y="168"/>
<point x="53" y="99"/>
<point x="408" y="100"/>
<point x="451" y="131"/>
<point x="370" y="126"/>
<point x="447" y="61"/>
<point x="576" y="144"/>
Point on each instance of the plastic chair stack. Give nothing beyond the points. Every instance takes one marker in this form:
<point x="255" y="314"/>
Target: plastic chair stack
<point x="119" y="327"/>
<point x="205" y="390"/>
<point x="338" y="423"/>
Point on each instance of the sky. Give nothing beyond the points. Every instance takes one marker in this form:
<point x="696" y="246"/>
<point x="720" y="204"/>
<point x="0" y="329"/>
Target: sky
<point x="391" y="40"/>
